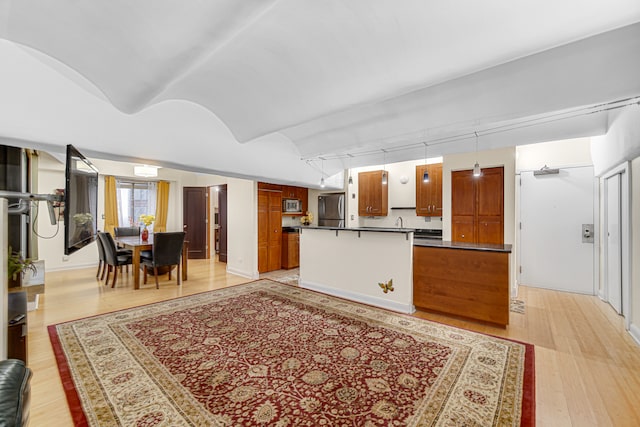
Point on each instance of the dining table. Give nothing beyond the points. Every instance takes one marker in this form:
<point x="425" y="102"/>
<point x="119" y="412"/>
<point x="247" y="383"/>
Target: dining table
<point x="137" y="245"/>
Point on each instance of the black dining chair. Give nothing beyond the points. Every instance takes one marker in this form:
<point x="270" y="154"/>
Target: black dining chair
<point x="102" y="260"/>
<point x="126" y="231"/>
<point x="113" y="259"/>
<point x="167" y="251"/>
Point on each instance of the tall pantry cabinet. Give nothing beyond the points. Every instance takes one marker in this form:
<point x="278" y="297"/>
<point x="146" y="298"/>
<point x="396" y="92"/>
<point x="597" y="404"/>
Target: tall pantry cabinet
<point x="477" y="206"/>
<point x="269" y="230"/>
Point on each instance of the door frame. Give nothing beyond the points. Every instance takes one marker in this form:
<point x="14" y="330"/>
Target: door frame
<point x="625" y="237"/>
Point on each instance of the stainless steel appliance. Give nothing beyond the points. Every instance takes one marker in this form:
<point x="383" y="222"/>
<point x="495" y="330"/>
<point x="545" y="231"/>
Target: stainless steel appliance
<point x="291" y="206"/>
<point x="331" y="210"/>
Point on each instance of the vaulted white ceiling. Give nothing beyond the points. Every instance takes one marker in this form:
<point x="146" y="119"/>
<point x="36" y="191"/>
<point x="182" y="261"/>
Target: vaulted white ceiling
<point x="265" y="89"/>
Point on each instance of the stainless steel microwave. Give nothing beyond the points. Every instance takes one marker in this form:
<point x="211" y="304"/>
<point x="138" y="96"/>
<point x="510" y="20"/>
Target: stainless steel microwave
<point x="291" y="206"/>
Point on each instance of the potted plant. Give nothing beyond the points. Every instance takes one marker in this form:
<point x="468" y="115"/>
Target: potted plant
<point x="17" y="266"/>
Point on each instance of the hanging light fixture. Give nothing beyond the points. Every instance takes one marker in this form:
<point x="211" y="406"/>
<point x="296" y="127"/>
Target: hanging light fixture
<point x="425" y="175"/>
<point x="476" y="168"/>
<point x="350" y="177"/>
<point x="384" y="168"/>
<point x="322" y="176"/>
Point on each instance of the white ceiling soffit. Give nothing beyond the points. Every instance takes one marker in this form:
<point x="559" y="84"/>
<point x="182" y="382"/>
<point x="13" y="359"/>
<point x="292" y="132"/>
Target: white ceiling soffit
<point x="331" y="76"/>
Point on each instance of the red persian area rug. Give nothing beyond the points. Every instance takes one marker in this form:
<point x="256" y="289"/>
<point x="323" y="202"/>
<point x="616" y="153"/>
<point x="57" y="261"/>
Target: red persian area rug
<point x="265" y="353"/>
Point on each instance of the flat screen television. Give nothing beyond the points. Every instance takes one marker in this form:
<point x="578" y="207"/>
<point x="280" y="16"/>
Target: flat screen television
<point x="80" y="201"/>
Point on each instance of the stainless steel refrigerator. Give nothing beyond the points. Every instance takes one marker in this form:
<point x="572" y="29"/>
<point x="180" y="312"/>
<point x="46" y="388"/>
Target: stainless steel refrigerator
<point x="331" y="210"/>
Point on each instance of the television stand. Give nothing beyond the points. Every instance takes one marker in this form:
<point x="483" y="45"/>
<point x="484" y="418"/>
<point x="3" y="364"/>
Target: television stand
<point x="17" y="326"/>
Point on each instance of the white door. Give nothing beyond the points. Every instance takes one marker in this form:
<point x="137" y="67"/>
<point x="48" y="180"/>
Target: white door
<point x="613" y="274"/>
<point x="553" y="210"/>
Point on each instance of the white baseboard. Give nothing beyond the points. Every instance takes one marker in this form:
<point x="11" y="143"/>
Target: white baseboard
<point x="73" y="267"/>
<point x="247" y="274"/>
<point x="634" y="331"/>
<point x="365" y="299"/>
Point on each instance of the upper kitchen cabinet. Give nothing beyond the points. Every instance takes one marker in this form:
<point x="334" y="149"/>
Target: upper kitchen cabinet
<point x="373" y="194"/>
<point x="477" y="206"/>
<point x="429" y="194"/>
<point x="297" y="193"/>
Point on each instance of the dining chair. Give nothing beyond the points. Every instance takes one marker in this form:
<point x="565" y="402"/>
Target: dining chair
<point x="102" y="260"/>
<point x="126" y="231"/>
<point x="167" y="251"/>
<point x="113" y="259"/>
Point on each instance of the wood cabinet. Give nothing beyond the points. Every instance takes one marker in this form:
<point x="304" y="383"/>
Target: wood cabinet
<point x="477" y="206"/>
<point x="299" y="193"/>
<point x="373" y="195"/>
<point x="290" y="250"/>
<point x="429" y="194"/>
<point x="468" y="283"/>
<point x="269" y="230"/>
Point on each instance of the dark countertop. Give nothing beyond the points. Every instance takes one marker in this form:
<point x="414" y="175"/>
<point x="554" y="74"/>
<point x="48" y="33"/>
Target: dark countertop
<point x="374" y="229"/>
<point x="294" y="229"/>
<point x="487" y="247"/>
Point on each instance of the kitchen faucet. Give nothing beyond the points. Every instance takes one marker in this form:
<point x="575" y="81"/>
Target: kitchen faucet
<point x="399" y="221"/>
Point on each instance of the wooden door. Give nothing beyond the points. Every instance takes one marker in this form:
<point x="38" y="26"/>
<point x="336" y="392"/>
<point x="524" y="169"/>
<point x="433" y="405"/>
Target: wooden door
<point x="263" y="231"/>
<point x="222" y="222"/>
<point x="477" y="206"/>
<point x="463" y="206"/>
<point x="275" y="231"/>
<point x="195" y="208"/>
<point x="490" y="211"/>
<point x="269" y="230"/>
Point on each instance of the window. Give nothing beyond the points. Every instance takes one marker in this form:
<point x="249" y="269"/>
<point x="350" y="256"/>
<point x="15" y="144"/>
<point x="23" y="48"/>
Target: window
<point x="135" y="198"/>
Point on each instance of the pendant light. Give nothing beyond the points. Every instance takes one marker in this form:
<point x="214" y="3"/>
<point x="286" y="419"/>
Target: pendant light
<point x="322" y="176"/>
<point x="425" y="175"/>
<point x="384" y="169"/>
<point x="350" y="177"/>
<point x="476" y="168"/>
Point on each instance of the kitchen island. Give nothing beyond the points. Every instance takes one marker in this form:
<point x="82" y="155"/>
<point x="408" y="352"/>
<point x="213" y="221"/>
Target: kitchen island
<point x="463" y="279"/>
<point x="352" y="263"/>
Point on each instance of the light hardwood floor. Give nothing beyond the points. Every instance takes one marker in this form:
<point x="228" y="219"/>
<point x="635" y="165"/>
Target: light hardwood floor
<point x="587" y="366"/>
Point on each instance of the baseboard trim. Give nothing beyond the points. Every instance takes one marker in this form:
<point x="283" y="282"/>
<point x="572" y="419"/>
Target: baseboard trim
<point x="248" y="275"/>
<point x="73" y="267"/>
<point x="634" y="331"/>
<point x="353" y="296"/>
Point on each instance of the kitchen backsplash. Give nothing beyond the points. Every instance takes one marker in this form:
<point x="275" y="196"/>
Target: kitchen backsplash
<point x="409" y="220"/>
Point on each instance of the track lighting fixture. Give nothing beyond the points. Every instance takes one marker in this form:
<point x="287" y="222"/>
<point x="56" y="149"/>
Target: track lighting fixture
<point x="476" y="168"/>
<point x="384" y="169"/>
<point x="425" y="175"/>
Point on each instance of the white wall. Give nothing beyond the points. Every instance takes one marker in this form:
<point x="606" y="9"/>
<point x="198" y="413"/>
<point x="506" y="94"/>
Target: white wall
<point x="556" y="154"/>
<point x="242" y="227"/>
<point x="622" y="141"/>
<point x="621" y="144"/>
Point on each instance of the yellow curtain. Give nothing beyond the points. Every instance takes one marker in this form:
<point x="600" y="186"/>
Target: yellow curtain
<point x="162" y="207"/>
<point x="110" y="204"/>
